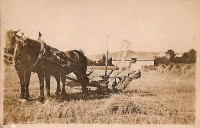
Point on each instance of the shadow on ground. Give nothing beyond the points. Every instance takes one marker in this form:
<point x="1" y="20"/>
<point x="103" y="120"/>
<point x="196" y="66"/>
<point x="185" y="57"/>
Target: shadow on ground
<point x="91" y="95"/>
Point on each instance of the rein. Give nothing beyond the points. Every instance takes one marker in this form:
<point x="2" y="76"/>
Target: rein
<point x="39" y="57"/>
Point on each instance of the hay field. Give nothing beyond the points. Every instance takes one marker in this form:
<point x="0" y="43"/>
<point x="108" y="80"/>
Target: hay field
<point x="153" y="99"/>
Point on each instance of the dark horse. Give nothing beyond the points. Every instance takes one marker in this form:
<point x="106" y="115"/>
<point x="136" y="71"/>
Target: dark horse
<point x="28" y="57"/>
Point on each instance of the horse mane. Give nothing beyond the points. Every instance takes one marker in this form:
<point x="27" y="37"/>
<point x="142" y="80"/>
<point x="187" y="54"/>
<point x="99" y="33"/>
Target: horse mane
<point x="80" y="53"/>
<point x="34" y="44"/>
<point x="8" y="35"/>
<point x="80" y="50"/>
<point x="9" y="38"/>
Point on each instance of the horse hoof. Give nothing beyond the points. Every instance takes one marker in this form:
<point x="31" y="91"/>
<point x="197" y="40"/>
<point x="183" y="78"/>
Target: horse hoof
<point x="41" y="99"/>
<point x="84" y="96"/>
<point x="21" y="96"/>
<point x="29" y="99"/>
<point x="57" y="93"/>
<point x="63" y="96"/>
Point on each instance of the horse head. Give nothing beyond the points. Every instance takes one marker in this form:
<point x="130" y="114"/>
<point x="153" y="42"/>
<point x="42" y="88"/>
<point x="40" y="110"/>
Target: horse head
<point x="18" y="49"/>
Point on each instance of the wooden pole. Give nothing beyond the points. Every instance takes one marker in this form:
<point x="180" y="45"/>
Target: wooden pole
<point x="124" y="54"/>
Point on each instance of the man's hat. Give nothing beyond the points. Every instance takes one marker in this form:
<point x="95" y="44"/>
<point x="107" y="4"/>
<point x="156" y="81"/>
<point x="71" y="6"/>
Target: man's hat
<point x="133" y="59"/>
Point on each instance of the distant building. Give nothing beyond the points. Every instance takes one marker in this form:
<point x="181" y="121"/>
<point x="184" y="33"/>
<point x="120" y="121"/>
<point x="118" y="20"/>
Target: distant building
<point x="179" y="55"/>
<point x="143" y="58"/>
<point x="140" y="62"/>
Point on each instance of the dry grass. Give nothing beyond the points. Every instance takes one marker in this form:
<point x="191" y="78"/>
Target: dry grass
<point x="152" y="99"/>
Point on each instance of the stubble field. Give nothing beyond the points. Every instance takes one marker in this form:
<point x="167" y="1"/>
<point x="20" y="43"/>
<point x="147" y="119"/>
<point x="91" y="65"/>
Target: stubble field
<point x="153" y="99"/>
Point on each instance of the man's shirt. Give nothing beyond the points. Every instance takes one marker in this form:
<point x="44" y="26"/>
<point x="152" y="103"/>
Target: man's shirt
<point x="135" y="67"/>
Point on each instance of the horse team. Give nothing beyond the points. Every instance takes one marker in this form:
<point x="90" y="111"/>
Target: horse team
<point x="36" y="56"/>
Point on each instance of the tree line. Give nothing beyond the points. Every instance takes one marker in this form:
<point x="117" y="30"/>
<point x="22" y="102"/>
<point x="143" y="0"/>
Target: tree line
<point x="100" y="62"/>
<point x="187" y="57"/>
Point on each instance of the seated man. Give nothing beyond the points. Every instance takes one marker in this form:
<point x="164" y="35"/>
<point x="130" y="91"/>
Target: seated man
<point x="134" y="73"/>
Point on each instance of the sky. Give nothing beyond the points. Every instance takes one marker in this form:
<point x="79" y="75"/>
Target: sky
<point x="149" y="25"/>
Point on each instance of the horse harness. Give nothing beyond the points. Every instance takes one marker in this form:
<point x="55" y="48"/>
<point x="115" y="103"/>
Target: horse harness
<point x="41" y="56"/>
<point x="67" y="64"/>
<point x="63" y="63"/>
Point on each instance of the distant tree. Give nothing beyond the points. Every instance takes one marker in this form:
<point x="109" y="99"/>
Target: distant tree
<point x="171" y="54"/>
<point x="178" y="60"/>
<point x="185" y="57"/>
<point x="157" y="60"/>
<point x="161" y="60"/>
<point x="189" y="57"/>
<point x="192" y="56"/>
<point x="110" y="62"/>
<point x="89" y="62"/>
<point x="104" y="60"/>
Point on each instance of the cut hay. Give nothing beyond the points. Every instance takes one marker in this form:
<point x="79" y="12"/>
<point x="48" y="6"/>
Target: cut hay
<point x="168" y="68"/>
<point x="176" y="70"/>
<point x="186" y="70"/>
<point x="192" y="71"/>
<point x="161" y="68"/>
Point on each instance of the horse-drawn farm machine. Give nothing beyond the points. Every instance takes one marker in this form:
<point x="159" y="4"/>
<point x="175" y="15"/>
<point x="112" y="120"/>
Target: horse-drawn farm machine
<point x="104" y="82"/>
<point x="107" y="81"/>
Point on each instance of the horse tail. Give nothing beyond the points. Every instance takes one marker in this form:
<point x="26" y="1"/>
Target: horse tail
<point x="82" y="59"/>
<point x="80" y="54"/>
<point x="77" y="56"/>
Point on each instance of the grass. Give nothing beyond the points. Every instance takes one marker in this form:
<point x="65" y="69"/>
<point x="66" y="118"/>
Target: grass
<point x="152" y="99"/>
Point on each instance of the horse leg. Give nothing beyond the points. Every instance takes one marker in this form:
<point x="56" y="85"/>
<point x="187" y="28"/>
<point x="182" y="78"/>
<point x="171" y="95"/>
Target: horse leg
<point x="26" y="83"/>
<point x="84" y="82"/>
<point x="47" y="80"/>
<point x="58" y="90"/>
<point x="63" y="93"/>
<point x="41" y="79"/>
<point x="21" y="78"/>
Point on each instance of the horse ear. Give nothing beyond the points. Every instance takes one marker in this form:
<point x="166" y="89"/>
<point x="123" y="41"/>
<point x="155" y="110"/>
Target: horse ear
<point x="14" y="33"/>
<point x="22" y="34"/>
<point x="40" y="34"/>
<point x="17" y="31"/>
<point x="40" y="37"/>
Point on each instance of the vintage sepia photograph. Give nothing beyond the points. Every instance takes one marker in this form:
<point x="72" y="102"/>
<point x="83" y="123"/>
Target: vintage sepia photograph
<point x="102" y="63"/>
